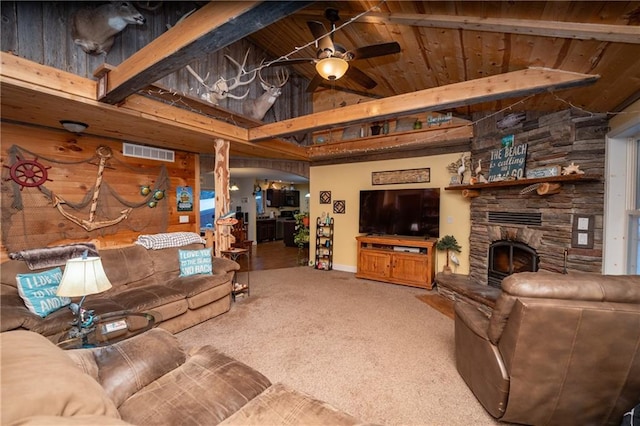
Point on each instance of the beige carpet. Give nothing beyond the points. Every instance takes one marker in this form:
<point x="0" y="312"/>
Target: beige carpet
<point x="369" y="348"/>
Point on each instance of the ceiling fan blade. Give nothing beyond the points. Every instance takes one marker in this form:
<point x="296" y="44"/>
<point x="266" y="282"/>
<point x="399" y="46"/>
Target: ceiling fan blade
<point x="374" y="50"/>
<point x="320" y="32"/>
<point x="294" y="61"/>
<point x="361" y="78"/>
<point x="314" y="83"/>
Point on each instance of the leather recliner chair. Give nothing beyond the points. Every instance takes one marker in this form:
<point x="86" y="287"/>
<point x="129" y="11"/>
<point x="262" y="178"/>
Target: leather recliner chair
<point x="557" y="349"/>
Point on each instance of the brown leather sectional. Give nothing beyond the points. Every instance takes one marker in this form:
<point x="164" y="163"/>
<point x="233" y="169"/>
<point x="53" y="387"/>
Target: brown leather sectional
<point x="558" y="349"/>
<point x="145" y="380"/>
<point x="143" y="280"/>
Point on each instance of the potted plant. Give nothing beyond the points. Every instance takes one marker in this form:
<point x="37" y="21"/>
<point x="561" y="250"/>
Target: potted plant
<point x="448" y="243"/>
<point x="301" y="235"/>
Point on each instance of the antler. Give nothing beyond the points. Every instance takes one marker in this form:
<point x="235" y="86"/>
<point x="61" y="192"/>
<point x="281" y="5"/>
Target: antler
<point x="220" y="89"/>
<point x="236" y="80"/>
<point x="282" y="77"/>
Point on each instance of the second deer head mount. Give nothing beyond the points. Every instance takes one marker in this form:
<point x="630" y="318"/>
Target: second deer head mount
<point x="257" y="108"/>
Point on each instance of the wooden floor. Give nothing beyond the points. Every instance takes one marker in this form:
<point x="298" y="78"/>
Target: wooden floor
<point x="275" y="255"/>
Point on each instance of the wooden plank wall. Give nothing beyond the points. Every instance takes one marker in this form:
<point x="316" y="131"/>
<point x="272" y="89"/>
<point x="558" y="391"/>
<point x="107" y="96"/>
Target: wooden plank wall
<point x="553" y="139"/>
<point x="40" y="31"/>
<point x="63" y="155"/>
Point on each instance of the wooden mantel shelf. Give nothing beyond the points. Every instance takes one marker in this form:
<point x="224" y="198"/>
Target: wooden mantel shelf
<point x="473" y="190"/>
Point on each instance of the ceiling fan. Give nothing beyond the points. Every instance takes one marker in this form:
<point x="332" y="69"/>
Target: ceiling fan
<point x="334" y="61"/>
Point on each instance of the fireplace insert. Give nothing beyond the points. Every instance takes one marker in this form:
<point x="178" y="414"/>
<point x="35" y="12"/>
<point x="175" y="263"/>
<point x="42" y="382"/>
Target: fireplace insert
<point x="509" y="257"/>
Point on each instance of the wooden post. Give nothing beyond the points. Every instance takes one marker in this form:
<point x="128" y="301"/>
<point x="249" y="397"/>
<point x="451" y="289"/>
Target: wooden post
<point x="221" y="182"/>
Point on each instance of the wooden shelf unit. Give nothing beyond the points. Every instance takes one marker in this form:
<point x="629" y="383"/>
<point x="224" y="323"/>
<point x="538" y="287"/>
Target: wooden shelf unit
<point x="381" y="258"/>
<point x="324" y="244"/>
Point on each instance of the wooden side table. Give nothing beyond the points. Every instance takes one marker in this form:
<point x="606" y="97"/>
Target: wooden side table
<point x="237" y="288"/>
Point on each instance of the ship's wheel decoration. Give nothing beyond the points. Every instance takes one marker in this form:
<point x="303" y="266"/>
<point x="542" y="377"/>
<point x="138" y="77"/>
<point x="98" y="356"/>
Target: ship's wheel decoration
<point x="29" y="173"/>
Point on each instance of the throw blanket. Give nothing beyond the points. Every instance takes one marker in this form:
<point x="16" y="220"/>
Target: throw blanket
<point x="169" y="239"/>
<point x="48" y="257"/>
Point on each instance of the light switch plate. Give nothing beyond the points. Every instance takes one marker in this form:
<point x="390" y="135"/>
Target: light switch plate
<point x="184" y="219"/>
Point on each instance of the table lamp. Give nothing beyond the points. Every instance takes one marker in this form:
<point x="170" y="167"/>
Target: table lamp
<point x="82" y="276"/>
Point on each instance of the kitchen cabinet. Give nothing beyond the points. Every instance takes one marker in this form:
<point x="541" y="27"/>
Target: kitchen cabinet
<point x="275" y="198"/>
<point x="289" y="233"/>
<point x="283" y="198"/>
<point x="265" y="230"/>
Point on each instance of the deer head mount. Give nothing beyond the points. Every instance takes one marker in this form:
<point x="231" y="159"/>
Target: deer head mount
<point x="94" y="29"/>
<point x="222" y="87"/>
<point x="257" y="108"/>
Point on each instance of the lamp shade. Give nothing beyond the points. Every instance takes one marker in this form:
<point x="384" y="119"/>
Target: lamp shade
<point x="332" y="68"/>
<point x="82" y="277"/>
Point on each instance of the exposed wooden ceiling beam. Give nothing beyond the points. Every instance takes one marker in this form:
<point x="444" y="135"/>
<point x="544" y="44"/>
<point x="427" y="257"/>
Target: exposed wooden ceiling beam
<point x="561" y="29"/>
<point x="210" y="28"/>
<point x="393" y="142"/>
<point x="509" y="85"/>
<point x="36" y="94"/>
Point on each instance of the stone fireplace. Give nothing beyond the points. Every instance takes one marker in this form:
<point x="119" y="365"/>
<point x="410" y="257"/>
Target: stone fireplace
<point x="531" y="231"/>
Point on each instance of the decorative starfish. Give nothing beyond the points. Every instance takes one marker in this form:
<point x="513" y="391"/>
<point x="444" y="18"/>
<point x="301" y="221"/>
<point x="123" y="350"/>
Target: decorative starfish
<point x="572" y="169"/>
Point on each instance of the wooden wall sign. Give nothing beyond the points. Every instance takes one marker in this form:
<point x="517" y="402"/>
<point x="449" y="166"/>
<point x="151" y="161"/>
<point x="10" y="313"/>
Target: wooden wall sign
<point x="401" y="176"/>
<point x="508" y="163"/>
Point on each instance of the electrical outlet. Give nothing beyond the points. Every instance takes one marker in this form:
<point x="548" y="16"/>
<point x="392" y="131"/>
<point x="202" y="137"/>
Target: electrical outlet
<point x="449" y="219"/>
<point x="184" y="219"/>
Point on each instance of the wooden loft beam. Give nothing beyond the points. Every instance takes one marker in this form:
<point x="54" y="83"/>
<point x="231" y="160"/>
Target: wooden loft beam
<point x="38" y="94"/>
<point x="210" y="28"/>
<point x="561" y="29"/>
<point x="509" y="85"/>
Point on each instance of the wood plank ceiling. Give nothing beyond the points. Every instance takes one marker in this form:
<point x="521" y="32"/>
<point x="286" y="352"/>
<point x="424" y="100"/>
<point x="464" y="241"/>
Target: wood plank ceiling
<point x="442" y="44"/>
<point x="498" y="37"/>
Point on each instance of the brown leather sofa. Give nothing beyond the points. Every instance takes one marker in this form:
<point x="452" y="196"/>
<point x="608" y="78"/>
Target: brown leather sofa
<point x="146" y="380"/>
<point x="143" y="280"/>
<point x="557" y="350"/>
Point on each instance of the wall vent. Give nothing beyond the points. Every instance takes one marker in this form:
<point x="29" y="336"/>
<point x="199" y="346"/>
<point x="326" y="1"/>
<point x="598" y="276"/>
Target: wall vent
<point x="141" y="151"/>
<point x="528" y="219"/>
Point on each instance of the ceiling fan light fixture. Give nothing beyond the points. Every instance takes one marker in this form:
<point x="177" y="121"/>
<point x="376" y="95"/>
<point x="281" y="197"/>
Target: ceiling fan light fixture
<point x="332" y="68"/>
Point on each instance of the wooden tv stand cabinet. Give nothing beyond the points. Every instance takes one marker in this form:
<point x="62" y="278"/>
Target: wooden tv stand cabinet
<point x="399" y="260"/>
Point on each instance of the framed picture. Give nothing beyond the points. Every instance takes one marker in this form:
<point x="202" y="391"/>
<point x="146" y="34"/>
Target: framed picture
<point x="401" y="176"/>
<point x="339" y="207"/>
<point x="325" y="197"/>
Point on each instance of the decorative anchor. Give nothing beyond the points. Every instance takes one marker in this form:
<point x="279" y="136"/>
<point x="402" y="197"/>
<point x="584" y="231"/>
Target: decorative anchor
<point x="104" y="153"/>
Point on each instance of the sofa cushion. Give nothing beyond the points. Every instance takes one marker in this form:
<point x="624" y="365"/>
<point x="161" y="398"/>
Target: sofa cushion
<point x="195" y="262"/>
<point x="205" y="390"/>
<point x="127" y="266"/>
<point x="14" y="314"/>
<point x="39" y="379"/>
<point x="38" y="290"/>
<point x="126" y="367"/>
<point x="202" y="289"/>
<point x="282" y="405"/>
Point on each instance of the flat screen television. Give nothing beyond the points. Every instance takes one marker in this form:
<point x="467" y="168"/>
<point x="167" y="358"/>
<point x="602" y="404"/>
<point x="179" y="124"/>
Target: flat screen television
<point x="404" y="212"/>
